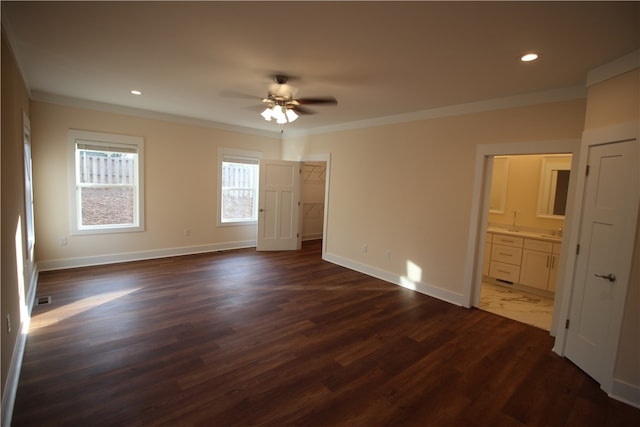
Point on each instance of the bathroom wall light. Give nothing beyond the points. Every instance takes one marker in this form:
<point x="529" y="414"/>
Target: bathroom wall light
<point x="135" y="92"/>
<point x="529" y="57"/>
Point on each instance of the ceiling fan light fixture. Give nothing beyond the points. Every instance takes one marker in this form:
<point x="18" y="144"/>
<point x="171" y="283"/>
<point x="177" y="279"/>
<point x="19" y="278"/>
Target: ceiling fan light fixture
<point x="277" y="113"/>
<point x="291" y="115"/>
<point x="267" y="114"/>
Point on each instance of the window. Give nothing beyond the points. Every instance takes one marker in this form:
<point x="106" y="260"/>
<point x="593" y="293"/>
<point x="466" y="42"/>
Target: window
<point x="28" y="184"/>
<point x="238" y="177"/>
<point x="106" y="183"/>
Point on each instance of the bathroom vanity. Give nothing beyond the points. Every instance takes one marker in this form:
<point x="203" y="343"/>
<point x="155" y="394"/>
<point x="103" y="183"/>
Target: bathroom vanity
<point x="524" y="258"/>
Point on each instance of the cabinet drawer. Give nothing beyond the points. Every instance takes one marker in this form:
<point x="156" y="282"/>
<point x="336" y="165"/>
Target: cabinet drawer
<point x="556" y="248"/>
<point x="506" y="254"/>
<point x="488" y="238"/>
<point x="538" y="245"/>
<point x="508" y="272"/>
<point x="508" y="240"/>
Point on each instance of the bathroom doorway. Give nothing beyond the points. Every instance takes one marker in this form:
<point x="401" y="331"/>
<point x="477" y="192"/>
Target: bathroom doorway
<point x="527" y="203"/>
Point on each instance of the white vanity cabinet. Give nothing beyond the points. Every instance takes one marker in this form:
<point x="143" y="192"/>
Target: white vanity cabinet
<point x="525" y="260"/>
<point x="553" y="273"/>
<point x="539" y="264"/>
<point x="506" y="253"/>
<point x="486" y="260"/>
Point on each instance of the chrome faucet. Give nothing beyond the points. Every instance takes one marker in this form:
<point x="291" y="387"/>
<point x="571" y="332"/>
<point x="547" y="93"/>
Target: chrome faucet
<point x="515" y="216"/>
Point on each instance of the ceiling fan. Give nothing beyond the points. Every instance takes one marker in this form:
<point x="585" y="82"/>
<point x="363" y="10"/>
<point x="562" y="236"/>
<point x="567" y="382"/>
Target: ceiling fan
<point x="283" y="107"/>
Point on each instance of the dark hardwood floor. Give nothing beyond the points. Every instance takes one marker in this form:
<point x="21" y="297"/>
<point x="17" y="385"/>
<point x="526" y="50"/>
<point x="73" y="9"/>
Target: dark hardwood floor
<point x="276" y="339"/>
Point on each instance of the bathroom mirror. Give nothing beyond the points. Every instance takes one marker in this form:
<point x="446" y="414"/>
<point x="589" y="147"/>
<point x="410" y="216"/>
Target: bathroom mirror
<point x="554" y="186"/>
<point x="499" y="177"/>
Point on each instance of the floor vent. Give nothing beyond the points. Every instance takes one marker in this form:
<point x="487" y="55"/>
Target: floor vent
<point x="43" y="300"/>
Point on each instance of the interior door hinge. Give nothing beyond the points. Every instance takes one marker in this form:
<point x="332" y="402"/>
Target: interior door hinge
<point x="578" y="249"/>
<point x="587" y="171"/>
<point x="566" y="324"/>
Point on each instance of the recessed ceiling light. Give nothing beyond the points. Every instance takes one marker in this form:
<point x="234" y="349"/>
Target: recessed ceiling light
<point x="136" y="92"/>
<point x="529" y="57"/>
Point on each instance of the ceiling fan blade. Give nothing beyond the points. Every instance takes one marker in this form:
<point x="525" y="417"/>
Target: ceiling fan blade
<point x="326" y="100"/>
<point x="302" y="111"/>
<point x="234" y="94"/>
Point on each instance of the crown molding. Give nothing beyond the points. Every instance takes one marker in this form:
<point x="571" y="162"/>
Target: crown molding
<point x="614" y="68"/>
<point x="543" y="97"/>
<point x="66" y="101"/>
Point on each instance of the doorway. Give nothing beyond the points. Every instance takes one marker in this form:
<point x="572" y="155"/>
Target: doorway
<point x="480" y="214"/>
<point x="527" y="201"/>
<point x="317" y="194"/>
<point x="314" y="174"/>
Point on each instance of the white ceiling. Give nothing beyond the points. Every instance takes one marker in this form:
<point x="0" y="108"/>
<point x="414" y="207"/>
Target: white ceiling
<point x="378" y="59"/>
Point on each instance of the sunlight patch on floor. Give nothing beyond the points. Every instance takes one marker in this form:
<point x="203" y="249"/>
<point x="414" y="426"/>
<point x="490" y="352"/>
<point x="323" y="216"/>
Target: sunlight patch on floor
<point x="59" y="314"/>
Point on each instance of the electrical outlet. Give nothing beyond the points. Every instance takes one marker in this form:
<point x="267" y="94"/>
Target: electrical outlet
<point x="365" y="248"/>
<point x="387" y="253"/>
<point x="62" y="241"/>
<point x="8" y="324"/>
<point x="187" y="232"/>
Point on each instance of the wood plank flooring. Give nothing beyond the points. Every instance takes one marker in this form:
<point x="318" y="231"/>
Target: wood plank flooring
<point x="285" y="339"/>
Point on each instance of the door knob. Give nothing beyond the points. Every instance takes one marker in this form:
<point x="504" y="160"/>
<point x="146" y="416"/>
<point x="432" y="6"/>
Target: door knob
<point x="610" y="277"/>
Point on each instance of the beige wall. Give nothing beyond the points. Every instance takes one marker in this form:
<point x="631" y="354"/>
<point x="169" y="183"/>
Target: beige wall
<point x="612" y="102"/>
<point x="15" y="101"/>
<point x="523" y="184"/>
<point x="180" y="184"/>
<point x="407" y="188"/>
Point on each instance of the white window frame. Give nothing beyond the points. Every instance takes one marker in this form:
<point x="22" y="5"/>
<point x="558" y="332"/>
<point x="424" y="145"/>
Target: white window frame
<point x="241" y="156"/>
<point x="106" y="141"/>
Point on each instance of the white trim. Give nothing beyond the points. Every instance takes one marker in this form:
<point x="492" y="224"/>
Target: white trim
<point x="240" y="154"/>
<point x="7" y="29"/>
<point x="61" y="264"/>
<point x="625" y="392"/>
<point x="480" y="209"/>
<point x="616" y="133"/>
<point x="387" y="276"/>
<point x="106" y="139"/>
<point x="15" y="366"/>
<point x="614" y="68"/>
<point x="51" y="98"/>
<point x="543" y="97"/>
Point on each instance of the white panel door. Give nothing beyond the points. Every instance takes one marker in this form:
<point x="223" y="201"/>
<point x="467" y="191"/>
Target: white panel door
<point x="603" y="265"/>
<point x="279" y="206"/>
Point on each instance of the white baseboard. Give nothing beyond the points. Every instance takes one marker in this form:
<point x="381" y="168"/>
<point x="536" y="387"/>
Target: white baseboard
<point x="15" y="366"/>
<point x="626" y="393"/>
<point x="423" y="288"/>
<point x="60" y="264"/>
<point x="316" y="236"/>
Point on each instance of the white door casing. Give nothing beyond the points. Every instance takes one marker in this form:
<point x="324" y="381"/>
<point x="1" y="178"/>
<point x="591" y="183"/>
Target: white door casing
<point x="603" y="265"/>
<point x="279" y="206"/>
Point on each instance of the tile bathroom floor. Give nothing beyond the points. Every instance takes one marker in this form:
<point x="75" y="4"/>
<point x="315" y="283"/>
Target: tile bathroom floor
<point x="514" y="304"/>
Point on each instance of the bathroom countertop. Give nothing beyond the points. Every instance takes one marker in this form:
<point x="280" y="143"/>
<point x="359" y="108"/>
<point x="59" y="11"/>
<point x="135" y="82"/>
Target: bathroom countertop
<point x="528" y="234"/>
